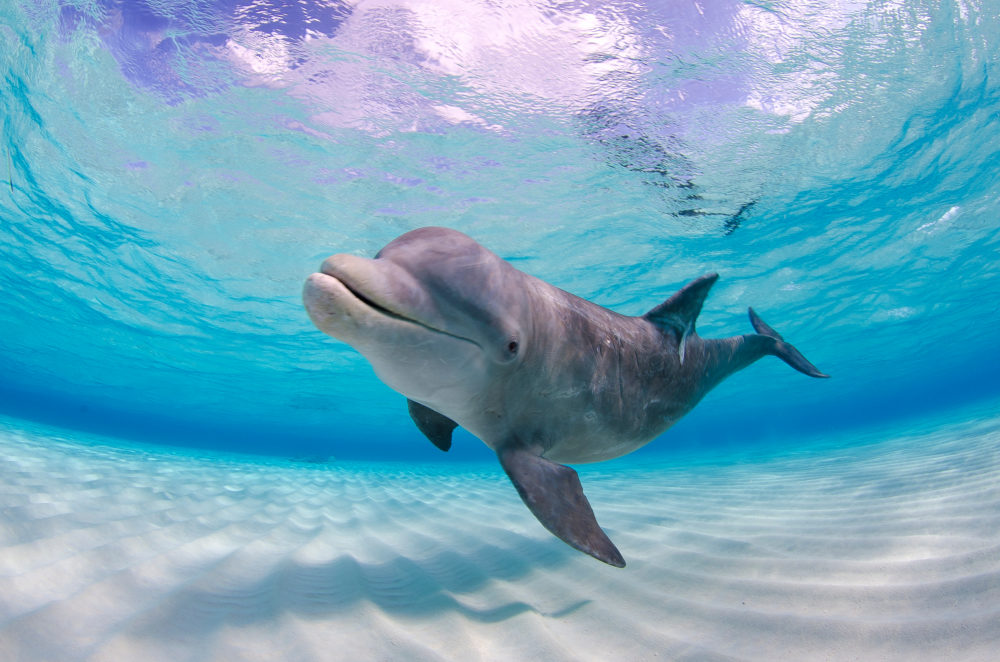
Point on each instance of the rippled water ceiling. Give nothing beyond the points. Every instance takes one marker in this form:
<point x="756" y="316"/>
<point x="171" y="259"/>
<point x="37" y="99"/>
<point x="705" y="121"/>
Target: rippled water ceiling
<point x="177" y="169"/>
<point x="172" y="171"/>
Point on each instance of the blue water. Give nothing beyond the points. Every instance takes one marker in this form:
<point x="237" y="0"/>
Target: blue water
<point x="174" y="170"/>
<point x="189" y="469"/>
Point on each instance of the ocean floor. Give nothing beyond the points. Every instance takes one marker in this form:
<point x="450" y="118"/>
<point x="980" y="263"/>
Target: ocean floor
<point x="887" y="550"/>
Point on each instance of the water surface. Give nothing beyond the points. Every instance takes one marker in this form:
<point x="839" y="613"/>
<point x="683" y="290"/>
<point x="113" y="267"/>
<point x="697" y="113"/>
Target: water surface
<point x="172" y="171"/>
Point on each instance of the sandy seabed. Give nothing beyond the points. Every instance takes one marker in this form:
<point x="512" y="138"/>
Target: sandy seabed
<point x="889" y="550"/>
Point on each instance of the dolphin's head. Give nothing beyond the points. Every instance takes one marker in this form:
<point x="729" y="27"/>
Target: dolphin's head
<point x="436" y="314"/>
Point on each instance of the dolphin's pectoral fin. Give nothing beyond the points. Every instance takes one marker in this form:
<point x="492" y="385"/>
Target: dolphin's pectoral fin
<point x="554" y="495"/>
<point x="678" y="313"/>
<point x="435" y="426"/>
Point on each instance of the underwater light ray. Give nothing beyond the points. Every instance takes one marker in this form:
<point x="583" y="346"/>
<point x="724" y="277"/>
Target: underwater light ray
<point x="175" y="171"/>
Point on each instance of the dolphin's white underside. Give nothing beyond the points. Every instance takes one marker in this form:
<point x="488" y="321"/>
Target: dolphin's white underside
<point x="890" y="551"/>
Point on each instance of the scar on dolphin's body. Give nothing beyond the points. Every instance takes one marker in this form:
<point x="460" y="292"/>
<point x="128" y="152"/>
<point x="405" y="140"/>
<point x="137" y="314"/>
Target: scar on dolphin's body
<point x="540" y="375"/>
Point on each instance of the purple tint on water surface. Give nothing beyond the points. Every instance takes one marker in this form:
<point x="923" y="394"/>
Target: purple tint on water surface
<point x="175" y="49"/>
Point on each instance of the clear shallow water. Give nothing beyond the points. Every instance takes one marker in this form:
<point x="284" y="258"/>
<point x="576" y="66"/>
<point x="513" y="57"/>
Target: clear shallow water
<point x="175" y="174"/>
<point x="173" y="171"/>
<point x="880" y="547"/>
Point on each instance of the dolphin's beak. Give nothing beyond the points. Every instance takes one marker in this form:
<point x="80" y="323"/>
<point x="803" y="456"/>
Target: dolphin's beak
<point x="355" y="275"/>
<point x="348" y="290"/>
<point x="320" y="294"/>
<point x="329" y="265"/>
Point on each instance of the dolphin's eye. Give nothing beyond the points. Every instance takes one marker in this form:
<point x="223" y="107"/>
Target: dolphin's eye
<point x="510" y="348"/>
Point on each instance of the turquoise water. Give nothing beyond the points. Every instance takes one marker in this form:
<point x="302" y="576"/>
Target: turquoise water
<point x="169" y="193"/>
<point x="172" y="171"/>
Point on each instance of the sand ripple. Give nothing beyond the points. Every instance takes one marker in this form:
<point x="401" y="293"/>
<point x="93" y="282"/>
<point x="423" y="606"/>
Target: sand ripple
<point x="888" y="551"/>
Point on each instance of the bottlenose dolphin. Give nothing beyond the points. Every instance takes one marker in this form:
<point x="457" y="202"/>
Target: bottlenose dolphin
<point x="540" y="375"/>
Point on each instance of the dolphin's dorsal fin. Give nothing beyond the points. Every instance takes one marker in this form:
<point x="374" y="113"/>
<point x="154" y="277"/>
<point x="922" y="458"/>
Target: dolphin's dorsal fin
<point x="437" y="427"/>
<point x="678" y="313"/>
<point x="552" y="492"/>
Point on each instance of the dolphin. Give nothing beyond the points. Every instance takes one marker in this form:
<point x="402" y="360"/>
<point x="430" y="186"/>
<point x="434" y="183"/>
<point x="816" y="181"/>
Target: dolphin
<point x="541" y="376"/>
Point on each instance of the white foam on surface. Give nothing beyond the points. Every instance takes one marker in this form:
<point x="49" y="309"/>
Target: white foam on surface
<point x="888" y="551"/>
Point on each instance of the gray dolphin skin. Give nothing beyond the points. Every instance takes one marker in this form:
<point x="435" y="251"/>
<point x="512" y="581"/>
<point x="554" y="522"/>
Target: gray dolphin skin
<point x="541" y="376"/>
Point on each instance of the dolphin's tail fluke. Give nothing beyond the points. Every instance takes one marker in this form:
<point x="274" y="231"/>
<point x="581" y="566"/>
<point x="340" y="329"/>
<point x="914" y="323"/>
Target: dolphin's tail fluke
<point x="783" y="350"/>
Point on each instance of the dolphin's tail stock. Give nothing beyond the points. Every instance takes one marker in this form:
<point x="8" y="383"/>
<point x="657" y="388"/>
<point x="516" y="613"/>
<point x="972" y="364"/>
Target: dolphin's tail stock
<point x="728" y="355"/>
<point x="771" y="342"/>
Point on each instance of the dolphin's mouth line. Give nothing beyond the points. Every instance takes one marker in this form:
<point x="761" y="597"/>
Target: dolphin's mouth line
<point x="379" y="308"/>
<point x="376" y="306"/>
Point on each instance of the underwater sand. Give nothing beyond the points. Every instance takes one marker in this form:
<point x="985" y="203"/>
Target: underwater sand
<point x="171" y="172"/>
<point x="886" y="551"/>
